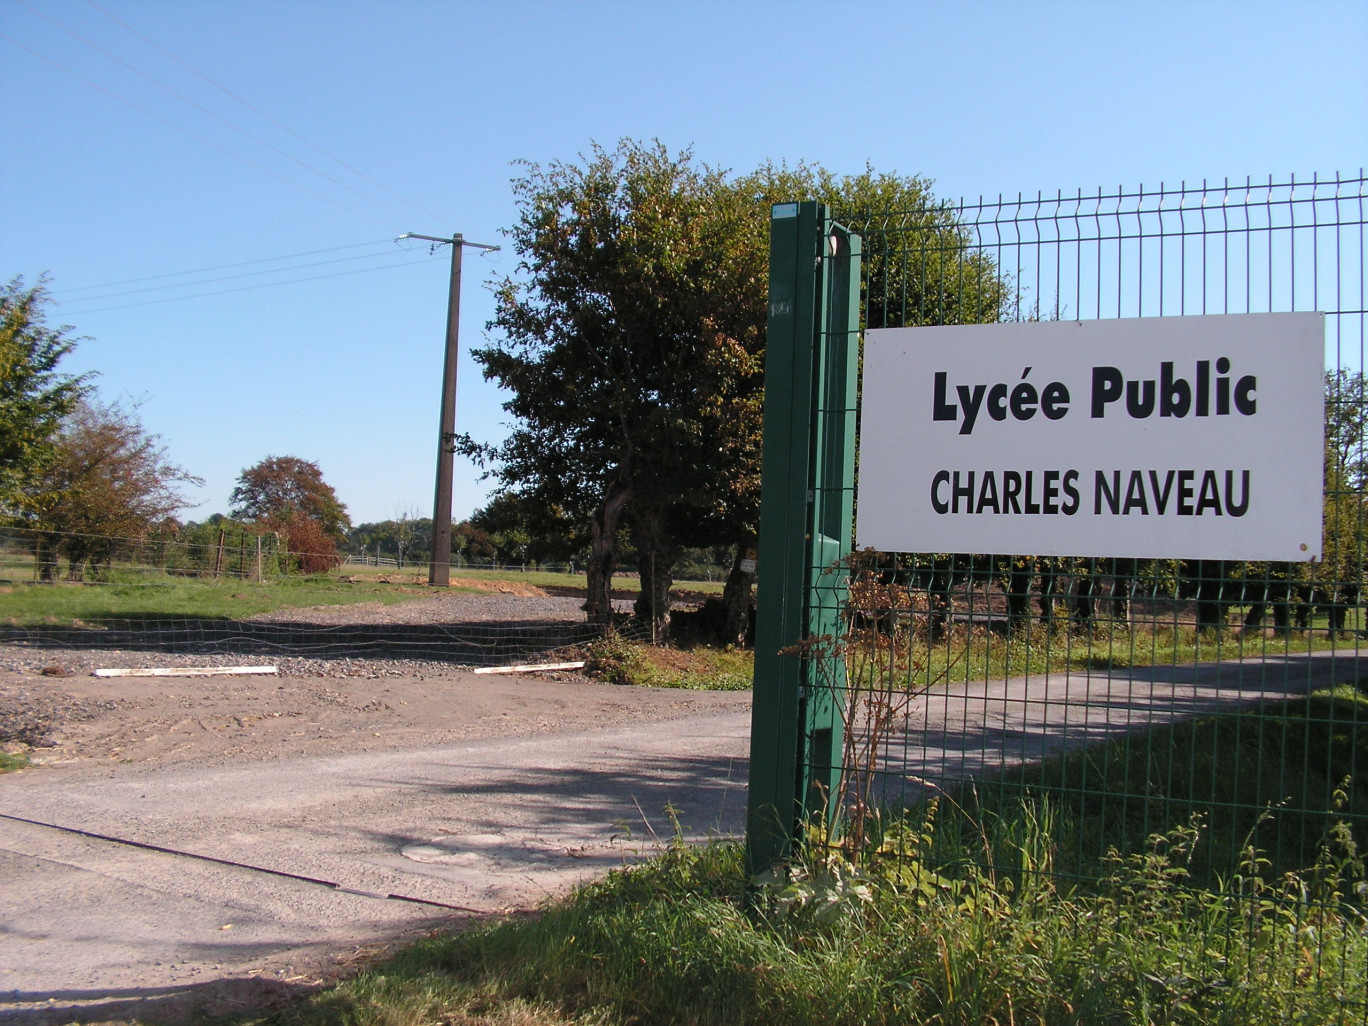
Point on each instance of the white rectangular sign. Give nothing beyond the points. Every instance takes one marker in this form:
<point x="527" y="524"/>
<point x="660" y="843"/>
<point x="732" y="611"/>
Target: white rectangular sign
<point x="1163" y="437"/>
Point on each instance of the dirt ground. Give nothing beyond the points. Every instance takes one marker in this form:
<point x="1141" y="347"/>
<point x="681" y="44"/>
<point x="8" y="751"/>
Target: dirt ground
<point x="211" y="720"/>
<point x="83" y="735"/>
<point x="55" y="712"/>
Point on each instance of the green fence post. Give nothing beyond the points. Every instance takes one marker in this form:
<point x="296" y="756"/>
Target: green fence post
<point x="832" y="511"/>
<point x="806" y="496"/>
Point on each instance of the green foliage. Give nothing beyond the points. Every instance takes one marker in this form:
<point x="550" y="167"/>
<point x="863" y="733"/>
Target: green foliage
<point x="631" y="345"/>
<point x="12" y="763"/>
<point x="686" y="938"/>
<point x="472" y="542"/>
<point x="615" y="660"/>
<point x="632" y="342"/>
<point x="515" y="529"/>
<point x="920" y="267"/>
<point x="1346" y="427"/>
<point x="34" y="397"/>
<point x="612" y="660"/>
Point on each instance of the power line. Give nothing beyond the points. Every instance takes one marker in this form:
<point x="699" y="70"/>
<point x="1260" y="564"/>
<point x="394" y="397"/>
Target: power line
<point x="261" y="113"/>
<point x="205" y="110"/>
<point x="248" y="288"/>
<point x="223" y="267"/>
<point x="234" y="277"/>
<point x="180" y="128"/>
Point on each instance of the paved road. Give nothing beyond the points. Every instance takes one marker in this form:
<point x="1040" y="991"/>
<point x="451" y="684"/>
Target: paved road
<point x="111" y="931"/>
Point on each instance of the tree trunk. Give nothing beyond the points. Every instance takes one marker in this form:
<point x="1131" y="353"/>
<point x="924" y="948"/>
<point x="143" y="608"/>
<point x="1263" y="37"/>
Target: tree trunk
<point x="736" y="597"/>
<point x="657" y="554"/>
<point x="1051" y="568"/>
<point x="1084" y="608"/>
<point x="598" y="604"/>
<point x="1124" y="572"/>
<point x="1210" y="595"/>
<point x="1018" y="588"/>
<point x="939" y="605"/>
<point x="45" y="555"/>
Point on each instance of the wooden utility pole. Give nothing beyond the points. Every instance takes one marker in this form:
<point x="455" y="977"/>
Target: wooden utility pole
<point x="439" y="572"/>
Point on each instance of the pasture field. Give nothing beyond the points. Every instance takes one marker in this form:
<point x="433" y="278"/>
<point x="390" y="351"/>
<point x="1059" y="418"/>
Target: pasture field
<point x="167" y="598"/>
<point x="156" y="595"/>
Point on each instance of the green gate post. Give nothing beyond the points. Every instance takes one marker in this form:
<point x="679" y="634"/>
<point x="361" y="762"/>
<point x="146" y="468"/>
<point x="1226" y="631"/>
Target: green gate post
<point x="806" y="508"/>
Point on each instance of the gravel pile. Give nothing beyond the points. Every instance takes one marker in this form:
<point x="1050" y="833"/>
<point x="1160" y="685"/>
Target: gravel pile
<point x="450" y="609"/>
<point x="65" y="662"/>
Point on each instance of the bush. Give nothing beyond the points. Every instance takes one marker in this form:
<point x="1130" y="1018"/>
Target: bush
<point x="311" y="549"/>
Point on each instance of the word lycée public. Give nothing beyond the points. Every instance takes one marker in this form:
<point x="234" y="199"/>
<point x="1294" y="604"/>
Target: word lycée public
<point x="1167" y="394"/>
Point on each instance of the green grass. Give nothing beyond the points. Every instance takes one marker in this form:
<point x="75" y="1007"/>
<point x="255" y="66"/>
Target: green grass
<point x="418" y="573"/>
<point x="537" y="578"/>
<point x="155" y="595"/>
<point x="1279" y="777"/>
<point x="11" y="763"/>
<point x="165" y="597"/>
<point x="682" y="939"/>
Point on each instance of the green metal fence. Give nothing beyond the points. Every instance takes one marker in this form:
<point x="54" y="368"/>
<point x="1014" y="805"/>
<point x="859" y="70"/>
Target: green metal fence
<point x="1068" y="717"/>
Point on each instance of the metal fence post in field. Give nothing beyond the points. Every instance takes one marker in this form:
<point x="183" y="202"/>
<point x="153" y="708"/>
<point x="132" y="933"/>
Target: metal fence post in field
<point x="807" y="489"/>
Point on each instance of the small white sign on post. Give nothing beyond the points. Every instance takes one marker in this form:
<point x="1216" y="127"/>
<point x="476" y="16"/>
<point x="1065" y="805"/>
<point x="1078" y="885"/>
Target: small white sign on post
<point x="1163" y="437"/>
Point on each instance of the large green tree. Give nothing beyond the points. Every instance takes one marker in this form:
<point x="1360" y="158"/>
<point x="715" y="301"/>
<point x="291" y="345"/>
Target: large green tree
<point x="609" y="344"/>
<point x="632" y="340"/>
<point x="34" y="396"/>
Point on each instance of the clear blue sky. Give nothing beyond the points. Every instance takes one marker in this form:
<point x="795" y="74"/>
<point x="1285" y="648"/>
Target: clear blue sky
<point x="110" y="177"/>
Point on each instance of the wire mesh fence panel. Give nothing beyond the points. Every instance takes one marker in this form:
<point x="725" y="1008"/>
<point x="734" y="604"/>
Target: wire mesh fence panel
<point x="223" y="593"/>
<point x="464" y="643"/>
<point x="1066" y="718"/>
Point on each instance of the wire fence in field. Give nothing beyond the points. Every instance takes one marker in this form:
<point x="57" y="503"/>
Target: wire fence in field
<point x="997" y="662"/>
<point x="226" y="593"/>
<point x="210" y="551"/>
<point x="472" y="643"/>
